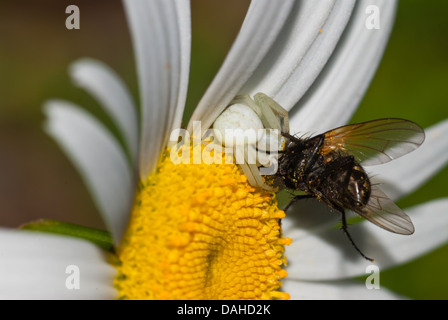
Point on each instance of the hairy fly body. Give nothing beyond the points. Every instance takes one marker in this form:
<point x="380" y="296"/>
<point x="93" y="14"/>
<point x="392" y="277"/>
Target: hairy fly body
<point x="329" y="167"/>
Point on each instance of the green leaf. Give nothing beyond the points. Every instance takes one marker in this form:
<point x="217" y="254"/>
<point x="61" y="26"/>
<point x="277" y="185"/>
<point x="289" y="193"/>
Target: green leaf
<point x="101" y="238"/>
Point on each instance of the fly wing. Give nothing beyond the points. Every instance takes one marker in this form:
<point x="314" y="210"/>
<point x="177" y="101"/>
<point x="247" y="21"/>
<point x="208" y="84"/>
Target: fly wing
<point x="383" y="212"/>
<point x="375" y="142"/>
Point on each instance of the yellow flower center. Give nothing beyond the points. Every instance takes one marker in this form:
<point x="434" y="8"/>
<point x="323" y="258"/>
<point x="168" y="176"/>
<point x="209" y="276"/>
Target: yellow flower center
<point x="200" y="231"/>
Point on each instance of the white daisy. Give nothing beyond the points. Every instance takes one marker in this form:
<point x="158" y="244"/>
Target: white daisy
<point x="316" y="58"/>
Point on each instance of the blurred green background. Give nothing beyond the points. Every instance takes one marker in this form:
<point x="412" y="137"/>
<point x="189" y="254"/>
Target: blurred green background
<point x="38" y="181"/>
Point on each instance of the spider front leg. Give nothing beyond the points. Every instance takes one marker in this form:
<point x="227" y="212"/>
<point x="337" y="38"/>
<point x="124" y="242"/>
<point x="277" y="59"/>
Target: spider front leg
<point x="272" y="115"/>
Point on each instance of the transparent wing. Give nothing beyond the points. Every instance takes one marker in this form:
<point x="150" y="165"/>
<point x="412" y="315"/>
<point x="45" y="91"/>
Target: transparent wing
<point x="384" y="213"/>
<point x="375" y="142"/>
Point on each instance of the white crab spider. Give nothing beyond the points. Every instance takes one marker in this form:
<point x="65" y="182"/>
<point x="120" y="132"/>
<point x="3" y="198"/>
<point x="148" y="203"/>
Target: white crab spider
<point x="258" y="115"/>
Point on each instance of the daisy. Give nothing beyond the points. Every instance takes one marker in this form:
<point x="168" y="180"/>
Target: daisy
<point x="191" y="226"/>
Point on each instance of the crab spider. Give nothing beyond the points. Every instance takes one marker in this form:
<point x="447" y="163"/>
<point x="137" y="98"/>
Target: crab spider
<point x="253" y="127"/>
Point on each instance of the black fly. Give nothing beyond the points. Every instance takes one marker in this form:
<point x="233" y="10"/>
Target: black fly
<point x="328" y="167"/>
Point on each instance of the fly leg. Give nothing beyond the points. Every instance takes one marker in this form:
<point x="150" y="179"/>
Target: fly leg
<point x="345" y="229"/>
<point x="344" y="222"/>
<point x="297" y="198"/>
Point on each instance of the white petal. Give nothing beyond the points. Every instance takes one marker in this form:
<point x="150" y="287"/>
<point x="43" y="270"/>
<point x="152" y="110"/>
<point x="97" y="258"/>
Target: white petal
<point x="158" y="40"/>
<point x="37" y="266"/>
<point x="260" y="28"/>
<point x="297" y="57"/>
<point x="335" y="290"/>
<point x="113" y="95"/>
<point x="328" y="255"/>
<point x="404" y="175"/>
<point x="100" y="160"/>
<point x="184" y="20"/>
<point x="338" y="90"/>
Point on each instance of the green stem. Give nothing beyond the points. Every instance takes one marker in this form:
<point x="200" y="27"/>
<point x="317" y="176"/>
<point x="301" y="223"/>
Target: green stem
<point x="101" y="238"/>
